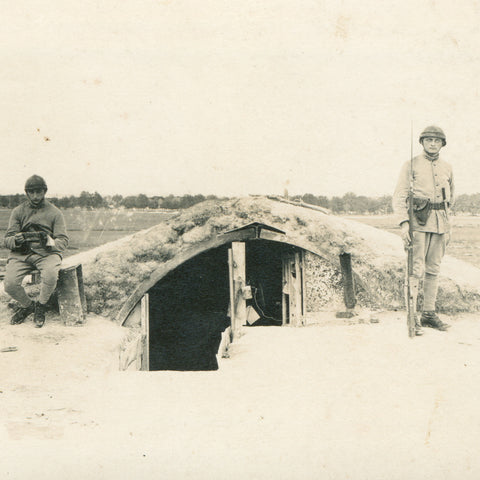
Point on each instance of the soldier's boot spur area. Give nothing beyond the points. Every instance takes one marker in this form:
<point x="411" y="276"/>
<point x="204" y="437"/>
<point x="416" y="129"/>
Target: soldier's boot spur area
<point x="21" y="314"/>
<point x="39" y="317"/>
<point x="431" y="319"/>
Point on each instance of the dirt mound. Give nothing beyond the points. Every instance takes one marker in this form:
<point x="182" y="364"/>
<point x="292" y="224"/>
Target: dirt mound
<point x="112" y="272"/>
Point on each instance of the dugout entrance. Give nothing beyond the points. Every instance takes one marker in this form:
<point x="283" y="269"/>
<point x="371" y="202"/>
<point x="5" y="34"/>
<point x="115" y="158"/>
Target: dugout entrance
<point x="218" y="291"/>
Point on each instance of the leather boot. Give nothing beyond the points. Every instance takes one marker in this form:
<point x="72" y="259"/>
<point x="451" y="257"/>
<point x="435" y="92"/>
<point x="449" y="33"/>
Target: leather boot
<point x="431" y="319"/>
<point x="39" y="317"/>
<point x="21" y="314"/>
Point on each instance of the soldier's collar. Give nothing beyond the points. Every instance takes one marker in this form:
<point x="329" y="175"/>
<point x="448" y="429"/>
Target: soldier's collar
<point x="431" y="157"/>
<point x="36" y="207"/>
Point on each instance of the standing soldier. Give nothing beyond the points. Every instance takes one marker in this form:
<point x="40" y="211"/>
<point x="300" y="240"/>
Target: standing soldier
<point x="431" y="181"/>
<point x="36" y="237"/>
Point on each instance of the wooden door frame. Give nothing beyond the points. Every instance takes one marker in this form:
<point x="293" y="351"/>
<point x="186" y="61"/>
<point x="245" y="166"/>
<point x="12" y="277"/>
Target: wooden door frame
<point x="293" y="286"/>
<point x="237" y="281"/>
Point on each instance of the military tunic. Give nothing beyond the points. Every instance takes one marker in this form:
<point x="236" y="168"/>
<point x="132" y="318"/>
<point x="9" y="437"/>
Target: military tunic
<point x="429" y="177"/>
<point x="429" y="241"/>
<point x="28" y="217"/>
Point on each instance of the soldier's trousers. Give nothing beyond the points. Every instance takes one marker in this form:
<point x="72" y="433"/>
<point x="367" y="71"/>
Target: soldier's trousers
<point x="428" y="251"/>
<point x="19" y="267"/>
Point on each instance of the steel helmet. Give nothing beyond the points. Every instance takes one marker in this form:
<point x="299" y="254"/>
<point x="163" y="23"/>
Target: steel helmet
<point x="35" y="181"/>
<point x="433" y="131"/>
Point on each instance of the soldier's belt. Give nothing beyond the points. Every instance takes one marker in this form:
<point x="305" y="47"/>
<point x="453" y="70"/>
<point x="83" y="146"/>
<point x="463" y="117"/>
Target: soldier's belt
<point x="437" y="206"/>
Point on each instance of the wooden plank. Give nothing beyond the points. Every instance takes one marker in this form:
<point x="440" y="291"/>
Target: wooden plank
<point x="300" y="203"/>
<point x="81" y="288"/>
<point x="130" y="353"/>
<point x="134" y="317"/>
<point x="292" y="296"/>
<point x="304" y="287"/>
<point x="132" y="356"/>
<point x="231" y="291"/>
<point x="257" y="227"/>
<point x="239" y="282"/>
<point x="348" y="280"/>
<point x="291" y="289"/>
<point x="225" y="343"/>
<point x="285" y="288"/>
<point x="296" y="296"/>
<point x="293" y="292"/>
<point x="145" y="323"/>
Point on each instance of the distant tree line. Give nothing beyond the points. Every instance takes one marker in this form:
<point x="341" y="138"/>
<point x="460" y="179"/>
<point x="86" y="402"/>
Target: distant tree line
<point x="350" y="203"/>
<point x="94" y="200"/>
<point x="468" y="204"/>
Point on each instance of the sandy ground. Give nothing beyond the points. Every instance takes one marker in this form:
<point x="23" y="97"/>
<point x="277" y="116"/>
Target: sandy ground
<point x="328" y="401"/>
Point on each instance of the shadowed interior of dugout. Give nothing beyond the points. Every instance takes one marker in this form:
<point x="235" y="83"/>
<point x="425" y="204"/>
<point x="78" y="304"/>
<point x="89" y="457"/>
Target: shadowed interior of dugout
<point x="188" y="313"/>
<point x="189" y="307"/>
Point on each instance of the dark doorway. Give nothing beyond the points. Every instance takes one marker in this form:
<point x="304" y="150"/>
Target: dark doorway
<point x="188" y="313"/>
<point x="264" y="274"/>
<point x="189" y="307"/>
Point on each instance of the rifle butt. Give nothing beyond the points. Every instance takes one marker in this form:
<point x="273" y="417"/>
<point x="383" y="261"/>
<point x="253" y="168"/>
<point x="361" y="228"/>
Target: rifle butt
<point x="411" y="298"/>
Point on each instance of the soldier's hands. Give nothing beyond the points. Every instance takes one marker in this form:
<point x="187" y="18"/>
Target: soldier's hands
<point x="406" y="234"/>
<point x="19" y="239"/>
<point x="50" y="242"/>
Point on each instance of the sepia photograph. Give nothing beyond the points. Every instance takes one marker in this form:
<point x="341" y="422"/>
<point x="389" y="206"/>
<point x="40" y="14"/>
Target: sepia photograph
<point x="240" y="240"/>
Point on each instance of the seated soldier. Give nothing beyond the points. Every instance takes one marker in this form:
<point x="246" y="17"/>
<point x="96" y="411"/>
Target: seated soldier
<point x="36" y="237"/>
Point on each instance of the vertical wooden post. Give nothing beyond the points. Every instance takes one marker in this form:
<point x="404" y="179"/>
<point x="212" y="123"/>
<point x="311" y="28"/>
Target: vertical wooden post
<point x="348" y="280"/>
<point x="291" y="284"/>
<point x="237" y="283"/>
<point x="145" y="324"/>
<point x="285" y="289"/>
<point x="81" y="289"/>
<point x="131" y="354"/>
<point x="296" y="296"/>
<point x="71" y="296"/>
<point x="293" y="302"/>
<point x="304" y="288"/>
<point x="231" y="291"/>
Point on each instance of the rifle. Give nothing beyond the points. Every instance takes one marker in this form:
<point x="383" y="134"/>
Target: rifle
<point x="411" y="298"/>
<point x="445" y="207"/>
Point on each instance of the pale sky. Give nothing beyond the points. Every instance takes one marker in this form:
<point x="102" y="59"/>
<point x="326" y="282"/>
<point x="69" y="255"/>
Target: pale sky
<point x="232" y="97"/>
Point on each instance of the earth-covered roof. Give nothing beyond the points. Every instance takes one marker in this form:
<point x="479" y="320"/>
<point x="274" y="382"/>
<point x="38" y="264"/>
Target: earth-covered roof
<point x="113" y="272"/>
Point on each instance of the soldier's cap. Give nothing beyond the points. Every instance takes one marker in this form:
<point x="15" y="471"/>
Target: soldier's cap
<point x="433" y="131"/>
<point x="35" y="181"/>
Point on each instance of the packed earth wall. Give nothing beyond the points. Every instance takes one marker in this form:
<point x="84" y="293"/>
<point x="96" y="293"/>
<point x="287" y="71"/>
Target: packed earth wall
<point x="323" y="285"/>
